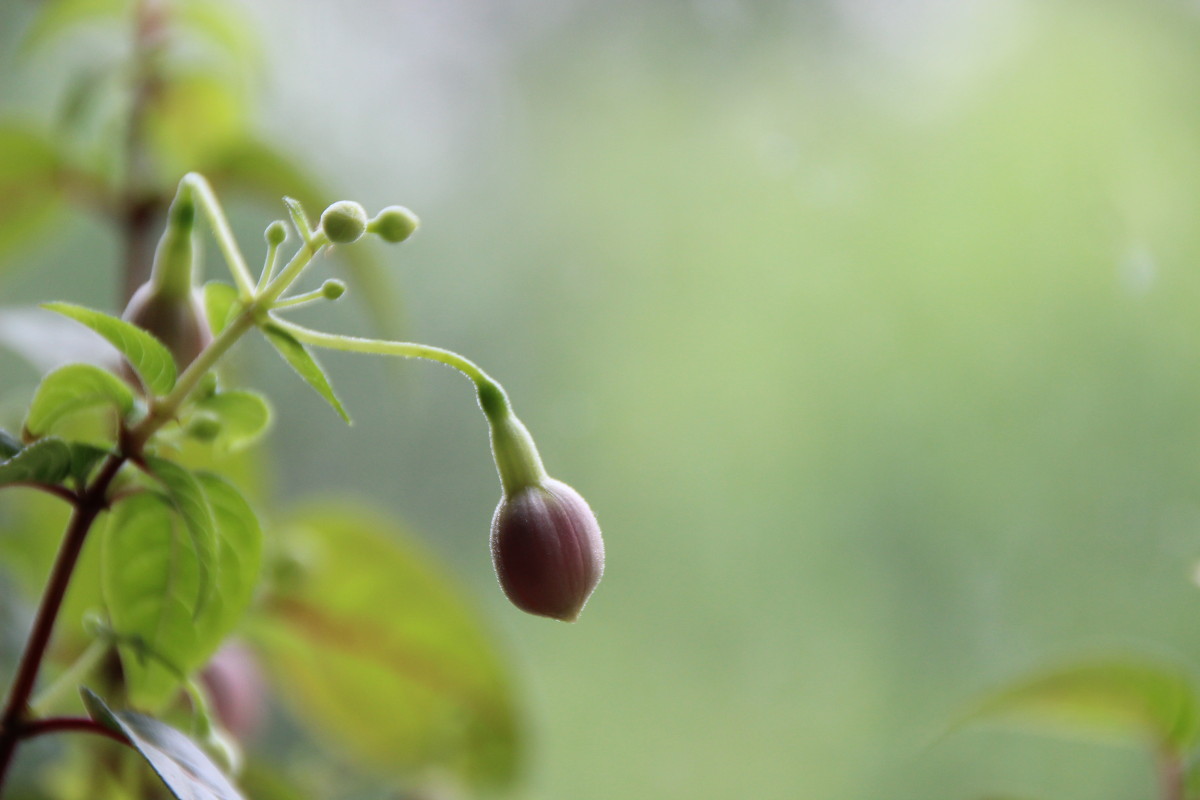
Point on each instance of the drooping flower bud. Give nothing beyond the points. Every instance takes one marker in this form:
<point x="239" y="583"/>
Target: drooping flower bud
<point x="344" y="222"/>
<point x="545" y="541"/>
<point x="169" y="306"/>
<point x="394" y="224"/>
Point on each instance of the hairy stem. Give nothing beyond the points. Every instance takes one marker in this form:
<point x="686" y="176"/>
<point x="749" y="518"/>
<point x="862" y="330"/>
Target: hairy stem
<point x="90" y="503"/>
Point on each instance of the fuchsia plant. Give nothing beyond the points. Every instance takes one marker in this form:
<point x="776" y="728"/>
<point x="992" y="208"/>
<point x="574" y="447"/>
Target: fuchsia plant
<point x="545" y="541"/>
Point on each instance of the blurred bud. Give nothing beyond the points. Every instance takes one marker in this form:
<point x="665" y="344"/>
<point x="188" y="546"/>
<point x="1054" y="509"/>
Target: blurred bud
<point x="394" y="224"/>
<point x="276" y="233"/>
<point x="344" y="222"/>
<point x="178" y="322"/>
<point x="236" y="689"/>
<point x="547" y="549"/>
<point x="333" y="289"/>
<point x="204" y="427"/>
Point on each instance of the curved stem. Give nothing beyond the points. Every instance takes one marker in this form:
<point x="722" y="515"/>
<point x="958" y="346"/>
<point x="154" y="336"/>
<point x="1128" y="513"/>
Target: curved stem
<point x="223" y="233"/>
<point x="355" y="344"/>
<point x="42" y="727"/>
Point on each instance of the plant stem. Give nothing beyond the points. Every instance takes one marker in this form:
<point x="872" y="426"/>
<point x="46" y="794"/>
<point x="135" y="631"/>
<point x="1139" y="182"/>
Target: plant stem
<point x="354" y="344"/>
<point x="91" y="502"/>
<point x="42" y="727"/>
<point x="70" y="678"/>
<point x="1171" y="775"/>
<point x="223" y="233"/>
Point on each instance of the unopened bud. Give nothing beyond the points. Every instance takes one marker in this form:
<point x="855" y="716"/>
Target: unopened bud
<point x="547" y="549"/>
<point x="394" y="224"/>
<point x="545" y="541"/>
<point x="344" y="222"/>
<point x="178" y="322"/>
<point x="276" y="233"/>
<point x="333" y="289"/>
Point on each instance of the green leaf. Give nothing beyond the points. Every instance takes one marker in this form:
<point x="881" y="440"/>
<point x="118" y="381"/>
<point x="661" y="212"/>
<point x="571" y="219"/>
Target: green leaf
<point x="1122" y="699"/>
<point x="223" y="25"/>
<point x="302" y="361"/>
<point x="84" y="458"/>
<point x="60" y="16"/>
<point x="184" y="491"/>
<point x="220" y="304"/>
<point x="46" y="461"/>
<point x="243" y="416"/>
<point x="186" y="770"/>
<point x="73" y="388"/>
<point x="151" y="576"/>
<point x="148" y="356"/>
<point x="299" y="218"/>
<point x="376" y="650"/>
<point x="29" y="185"/>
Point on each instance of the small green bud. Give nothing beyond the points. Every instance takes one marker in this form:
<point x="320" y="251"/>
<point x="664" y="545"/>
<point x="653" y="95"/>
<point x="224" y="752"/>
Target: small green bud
<point x="333" y="289"/>
<point x="276" y="233"/>
<point x="204" y="427"/>
<point x="394" y="224"/>
<point x="344" y="222"/>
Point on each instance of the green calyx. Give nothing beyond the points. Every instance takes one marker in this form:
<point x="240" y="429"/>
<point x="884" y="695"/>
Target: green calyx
<point x="344" y="222"/>
<point x="176" y="255"/>
<point x="513" y="448"/>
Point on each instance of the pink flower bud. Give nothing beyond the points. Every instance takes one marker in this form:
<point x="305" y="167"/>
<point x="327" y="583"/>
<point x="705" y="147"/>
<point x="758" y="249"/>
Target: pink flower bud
<point x="547" y="549"/>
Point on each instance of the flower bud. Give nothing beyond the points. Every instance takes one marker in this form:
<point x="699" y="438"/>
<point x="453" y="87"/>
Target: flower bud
<point x="179" y="323"/>
<point x="546" y="544"/>
<point x="332" y="289"/>
<point x="344" y="222"/>
<point x="275" y="234"/>
<point x="547" y="549"/>
<point x="394" y="224"/>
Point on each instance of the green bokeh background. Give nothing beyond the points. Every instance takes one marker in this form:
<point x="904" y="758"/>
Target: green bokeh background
<point x="869" y="329"/>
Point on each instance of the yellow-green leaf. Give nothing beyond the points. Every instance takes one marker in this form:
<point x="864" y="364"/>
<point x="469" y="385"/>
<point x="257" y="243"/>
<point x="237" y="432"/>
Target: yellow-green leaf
<point x="376" y="650"/>
<point x="73" y="388"/>
<point x="148" y="356"/>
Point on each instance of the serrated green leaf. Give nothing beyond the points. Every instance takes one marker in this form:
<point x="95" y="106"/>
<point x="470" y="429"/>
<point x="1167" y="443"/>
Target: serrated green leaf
<point x="60" y="16"/>
<point x="302" y="361"/>
<point x="186" y="494"/>
<point x="1122" y="699"/>
<point x="220" y="304"/>
<point x="243" y="417"/>
<point x="73" y="388"/>
<point x="151" y="576"/>
<point x="186" y="770"/>
<point x="29" y="186"/>
<point x="148" y="356"/>
<point x="376" y="650"/>
<point x="46" y="461"/>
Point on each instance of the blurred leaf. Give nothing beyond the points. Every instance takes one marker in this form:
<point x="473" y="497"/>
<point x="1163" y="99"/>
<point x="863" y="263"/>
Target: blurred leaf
<point x="29" y="189"/>
<point x="220" y="304"/>
<point x="224" y="25"/>
<point x="378" y="652"/>
<point x="151" y="577"/>
<point x="1128" y="700"/>
<point x="148" y="356"/>
<point x="84" y="458"/>
<point x="48" y="341"/>
<point x="46" y="461"/>
<point x="268" y="174"/>
<point x="194" y="115"/>
<point x="188" y="773"/>
<point x="244" y="417"/>
<point x="302" y="361"/>
<point x="187" y="496"/>
<point x="73" y="388"/>
<point x="59" y="16"/>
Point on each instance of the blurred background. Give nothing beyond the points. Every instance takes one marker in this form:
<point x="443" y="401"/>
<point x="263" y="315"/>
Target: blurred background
<point x="868" y="329"/>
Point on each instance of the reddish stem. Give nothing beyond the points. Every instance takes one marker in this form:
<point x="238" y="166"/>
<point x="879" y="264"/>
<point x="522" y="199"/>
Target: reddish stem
<point x="49" y="725"/>
<point x="89" y="505"/>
